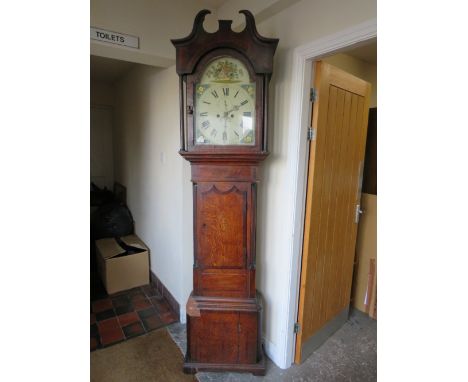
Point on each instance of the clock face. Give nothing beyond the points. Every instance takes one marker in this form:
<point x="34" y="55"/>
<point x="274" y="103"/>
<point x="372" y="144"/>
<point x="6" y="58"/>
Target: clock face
<point x="225" y="104"/>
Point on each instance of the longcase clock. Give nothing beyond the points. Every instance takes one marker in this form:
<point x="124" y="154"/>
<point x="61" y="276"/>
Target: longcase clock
<point x="224" y="78"/>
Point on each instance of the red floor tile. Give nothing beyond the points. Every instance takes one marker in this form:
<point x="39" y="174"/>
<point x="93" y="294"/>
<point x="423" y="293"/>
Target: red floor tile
<point x="110" y="331"/>
<point x="136" y="296"/>
<point x="142" y="304"/>
<point x="161" y="305"/>
<point x="105" y="315"/>
<point x="128" y="314"/>
<point x="133" y="330"/>
<point x="109" y="324"/>
<point x="124" y="309"/>
<point x="168" y="318"/>
<point x="120" y="300"/>
<point x="128" y="318"/>
<point x="152" y="322"/>
<point x="101" y="305"/>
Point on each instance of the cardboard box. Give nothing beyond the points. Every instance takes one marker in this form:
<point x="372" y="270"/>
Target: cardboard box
<point x="120" y="270"/>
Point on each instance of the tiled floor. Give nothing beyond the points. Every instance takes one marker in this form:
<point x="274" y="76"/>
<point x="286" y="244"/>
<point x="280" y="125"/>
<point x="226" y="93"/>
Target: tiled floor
<point x="116" y="318"/>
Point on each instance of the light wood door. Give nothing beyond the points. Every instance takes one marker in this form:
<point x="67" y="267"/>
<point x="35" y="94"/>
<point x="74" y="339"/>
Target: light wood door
<point x="339" y="118"/>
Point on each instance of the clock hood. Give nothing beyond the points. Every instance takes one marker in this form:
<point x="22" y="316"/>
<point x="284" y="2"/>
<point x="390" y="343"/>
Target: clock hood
<point x="258" y="49"/>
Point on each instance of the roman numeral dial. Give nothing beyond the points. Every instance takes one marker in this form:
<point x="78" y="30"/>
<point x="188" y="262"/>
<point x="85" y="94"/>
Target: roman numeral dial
<point x="224" y="105"/>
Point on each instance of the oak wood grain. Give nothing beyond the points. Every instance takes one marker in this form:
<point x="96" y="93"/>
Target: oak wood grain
<point x="336" y="156"/>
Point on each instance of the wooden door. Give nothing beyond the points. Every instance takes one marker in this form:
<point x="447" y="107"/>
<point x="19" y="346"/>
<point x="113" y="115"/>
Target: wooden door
<point x="339" y="118"/>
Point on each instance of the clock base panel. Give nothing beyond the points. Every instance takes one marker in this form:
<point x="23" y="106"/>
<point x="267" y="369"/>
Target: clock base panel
<point x="224" y="334"/>
<point x="257" y="369"/>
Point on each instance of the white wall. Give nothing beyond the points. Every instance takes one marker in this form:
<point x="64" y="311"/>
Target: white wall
<point x="160" y="193"/>
<point x="154" y="22"/>
<point x="101" y="147"/>
<point x="101" y="134"/>
<point x="101" y="93"/>
<point x="358" y="68"/>
<point x="148" y="164"/>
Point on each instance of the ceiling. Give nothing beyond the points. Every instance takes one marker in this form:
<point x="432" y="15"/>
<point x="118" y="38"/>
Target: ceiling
<point x="215" y="3"/>
<point x="367" y="53"/>
<point x="108" y="70"/>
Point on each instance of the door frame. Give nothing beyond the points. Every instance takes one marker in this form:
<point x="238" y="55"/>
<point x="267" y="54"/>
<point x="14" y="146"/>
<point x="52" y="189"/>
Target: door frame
<point x="299" y="120"/>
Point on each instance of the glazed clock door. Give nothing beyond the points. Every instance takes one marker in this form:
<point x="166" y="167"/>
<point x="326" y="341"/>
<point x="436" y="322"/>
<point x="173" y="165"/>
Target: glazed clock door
<point x="224" y="100"/>
<point x="223" y="235"/>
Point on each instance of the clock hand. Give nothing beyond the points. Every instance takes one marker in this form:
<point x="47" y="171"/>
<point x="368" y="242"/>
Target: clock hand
<point x="225" y="128"/>
<point x="235" y="108"/>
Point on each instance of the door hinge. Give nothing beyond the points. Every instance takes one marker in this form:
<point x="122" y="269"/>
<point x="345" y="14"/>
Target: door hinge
<point x="313" y="95"/>
<point x="297" y="327"/>
<point x="311" y="134"/>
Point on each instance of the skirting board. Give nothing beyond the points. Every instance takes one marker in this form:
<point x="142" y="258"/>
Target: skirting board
<point x="166" y="294"/>
<point x="271" y="350"/>
<point x="317" y="340"/>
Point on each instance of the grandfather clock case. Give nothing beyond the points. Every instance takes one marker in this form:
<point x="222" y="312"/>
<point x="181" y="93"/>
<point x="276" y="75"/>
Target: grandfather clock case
<point x="224" y="78"/>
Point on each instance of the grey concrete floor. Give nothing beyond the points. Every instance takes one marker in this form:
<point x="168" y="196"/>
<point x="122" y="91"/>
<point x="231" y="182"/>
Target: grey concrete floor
<point x="350" y="354"/>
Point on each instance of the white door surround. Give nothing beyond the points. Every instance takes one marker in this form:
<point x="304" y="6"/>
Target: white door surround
<point x="303" y="57"/>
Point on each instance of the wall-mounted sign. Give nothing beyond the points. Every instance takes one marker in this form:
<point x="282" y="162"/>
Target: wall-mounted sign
<point x="114" y="38"/>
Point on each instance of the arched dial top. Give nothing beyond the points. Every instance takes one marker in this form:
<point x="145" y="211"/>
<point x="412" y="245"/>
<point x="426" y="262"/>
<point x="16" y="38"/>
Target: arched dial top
<point x="190" y="49"/>
<point x="225" y="104"/>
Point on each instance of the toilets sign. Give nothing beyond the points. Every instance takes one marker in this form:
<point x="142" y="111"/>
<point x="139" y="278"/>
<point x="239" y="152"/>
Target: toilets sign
<point x="114" y="38"/>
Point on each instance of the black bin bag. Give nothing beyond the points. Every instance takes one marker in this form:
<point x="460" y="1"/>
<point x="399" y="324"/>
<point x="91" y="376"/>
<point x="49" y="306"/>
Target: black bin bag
<point x="111" y="220"/>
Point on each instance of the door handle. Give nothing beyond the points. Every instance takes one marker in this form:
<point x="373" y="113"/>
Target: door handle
<point x="358" y="213"/>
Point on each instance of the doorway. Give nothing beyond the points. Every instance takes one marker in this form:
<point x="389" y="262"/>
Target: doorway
<point x="333" y="204"/>
<point x="127" y="300"/>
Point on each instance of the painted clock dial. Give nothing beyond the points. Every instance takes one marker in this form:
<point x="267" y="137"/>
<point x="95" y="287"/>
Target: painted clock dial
<point x="225" y="104"/>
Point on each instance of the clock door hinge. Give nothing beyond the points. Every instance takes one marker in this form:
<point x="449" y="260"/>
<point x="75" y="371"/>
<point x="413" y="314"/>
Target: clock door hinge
<point x="297" y="327"/>
<point x="313" y="95"/>
<point x="311" y="134"/>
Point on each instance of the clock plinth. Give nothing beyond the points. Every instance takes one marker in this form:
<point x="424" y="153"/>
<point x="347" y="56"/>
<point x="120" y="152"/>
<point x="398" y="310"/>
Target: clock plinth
<point x="224" y="80"/>
<point x="224" y="334"/>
